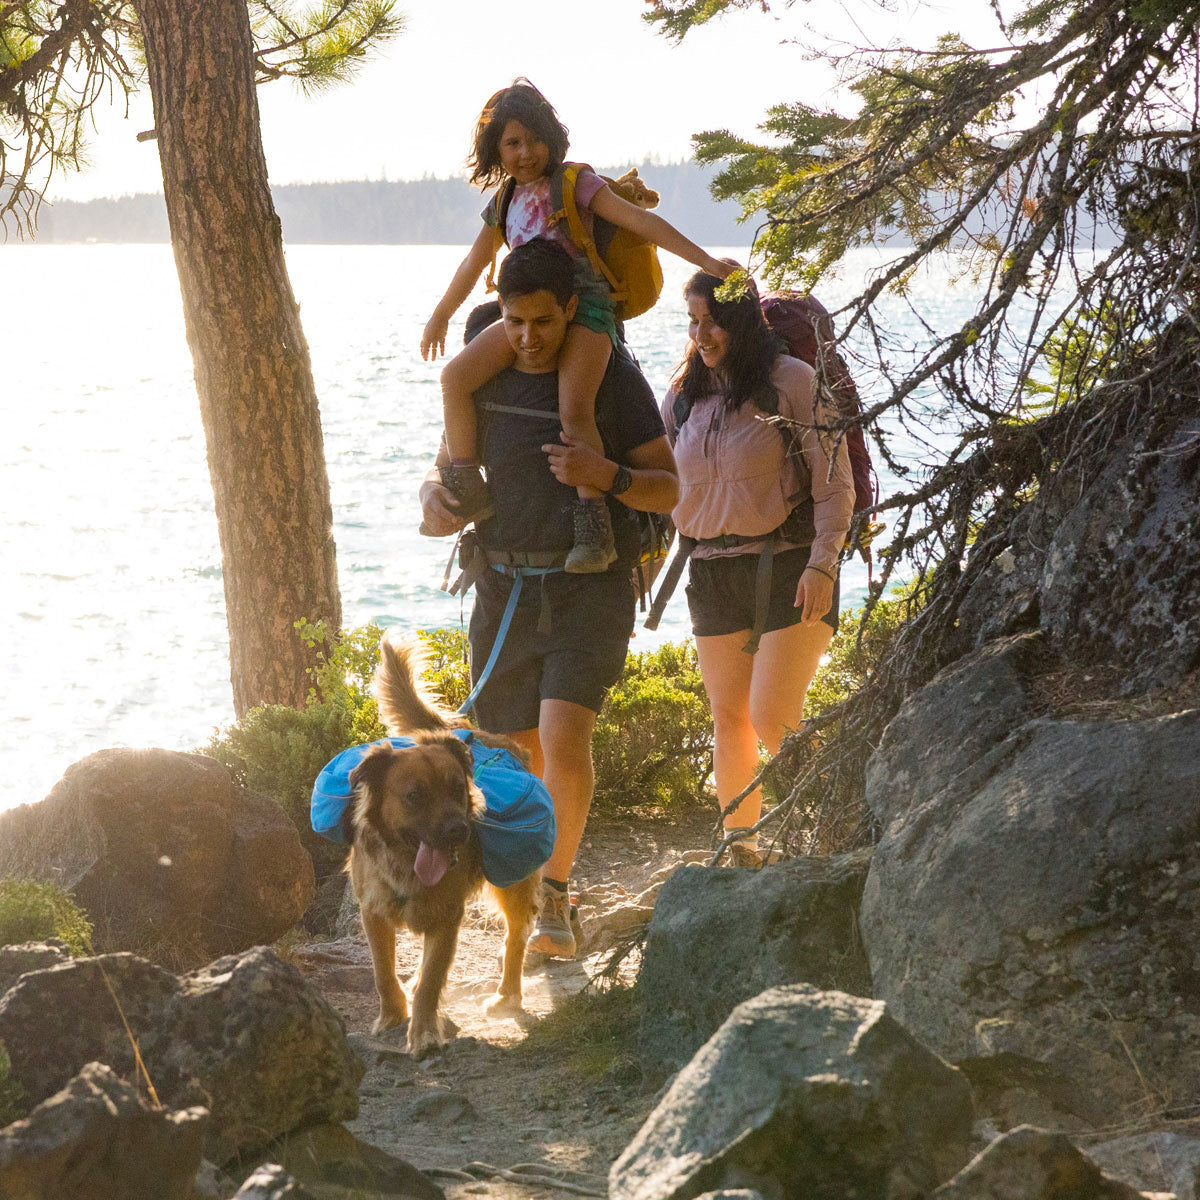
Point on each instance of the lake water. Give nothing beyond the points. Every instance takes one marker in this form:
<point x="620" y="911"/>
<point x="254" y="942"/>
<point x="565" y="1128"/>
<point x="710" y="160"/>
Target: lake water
<point x="110" y="594"/>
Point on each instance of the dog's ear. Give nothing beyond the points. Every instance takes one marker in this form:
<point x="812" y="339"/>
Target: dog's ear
<point x="462" y="752"/>
<point x="373" y="767"/>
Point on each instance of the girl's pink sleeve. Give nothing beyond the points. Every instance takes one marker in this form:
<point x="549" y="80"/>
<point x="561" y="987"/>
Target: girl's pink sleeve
<point x="587" y="184"/>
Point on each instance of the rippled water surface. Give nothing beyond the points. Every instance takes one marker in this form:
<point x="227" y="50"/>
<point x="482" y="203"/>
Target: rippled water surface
<point x="111" y="595"/>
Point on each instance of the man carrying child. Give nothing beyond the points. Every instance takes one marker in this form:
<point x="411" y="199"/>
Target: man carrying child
<point x="566" y="638"/>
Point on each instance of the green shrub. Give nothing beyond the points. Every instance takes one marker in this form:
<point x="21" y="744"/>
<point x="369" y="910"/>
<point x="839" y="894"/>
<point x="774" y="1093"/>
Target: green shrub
<point x="448" y="675"/>
<point x="654" y="734"/>
<point x="31" y="911"/>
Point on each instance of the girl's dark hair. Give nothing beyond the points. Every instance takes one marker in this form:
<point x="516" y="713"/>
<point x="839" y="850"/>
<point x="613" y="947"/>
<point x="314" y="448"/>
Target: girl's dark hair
<point x="753" y="349"/>
<point x="520" y="102"/>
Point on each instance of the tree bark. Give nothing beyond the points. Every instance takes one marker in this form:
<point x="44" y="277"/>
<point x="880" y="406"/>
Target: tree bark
<point x="252" y="368"/>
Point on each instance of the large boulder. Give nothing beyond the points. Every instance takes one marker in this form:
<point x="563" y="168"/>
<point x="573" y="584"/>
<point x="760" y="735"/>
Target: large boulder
<point x="101" y="1139"/>
<point x="1032" y="1164"/>
<point x="169" y="857"/>
<point x="803" y="1093"/>
<point x="1036" y="887"/>
<point x="29" y="956"/>
<point x="1107" y="562"/>
<point x="1160" y="1161"/>
<point x="247" y="1035"/>
<point x="720" y="936"/>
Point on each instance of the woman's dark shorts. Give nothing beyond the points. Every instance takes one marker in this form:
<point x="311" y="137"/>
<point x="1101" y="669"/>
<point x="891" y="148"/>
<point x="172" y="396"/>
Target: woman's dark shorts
<point x="720" y="593"/>
<point x="579" y="659"/>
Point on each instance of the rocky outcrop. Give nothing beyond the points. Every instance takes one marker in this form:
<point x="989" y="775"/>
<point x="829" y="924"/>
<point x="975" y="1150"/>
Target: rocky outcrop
<point x="721" y="936"/>
<point x="1031" y="1164"/>
<point x="1165" y="1161"/>
<point x="168" y="856"/>
<point x="246" y="1034"/>
<point x="1108" y="565"/>
<point x="1036" y="887"/>
<point x="101" y="1139"/>
<point x="272" y="1182"/>
<point x="803" y="1093"/>
<point x="29" y="956"/>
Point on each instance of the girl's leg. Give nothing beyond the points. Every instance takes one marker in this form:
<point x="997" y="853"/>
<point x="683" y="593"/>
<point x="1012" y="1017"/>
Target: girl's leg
<point x="581" y="368"/>
<point x="727" y="673"/>
<point x="477" y="362"/>
<point x="784" y="666"/>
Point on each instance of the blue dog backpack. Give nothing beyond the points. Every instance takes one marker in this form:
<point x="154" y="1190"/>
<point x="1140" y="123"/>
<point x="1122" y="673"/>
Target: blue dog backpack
<point x="516" y="829"/>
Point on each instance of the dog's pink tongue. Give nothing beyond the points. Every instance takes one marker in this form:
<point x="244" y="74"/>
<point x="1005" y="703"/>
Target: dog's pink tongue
<point x="430" y="864"/>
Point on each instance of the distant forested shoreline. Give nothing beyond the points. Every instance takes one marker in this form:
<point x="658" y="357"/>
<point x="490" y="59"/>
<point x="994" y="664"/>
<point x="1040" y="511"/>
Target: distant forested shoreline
<point x="365" y="212"/>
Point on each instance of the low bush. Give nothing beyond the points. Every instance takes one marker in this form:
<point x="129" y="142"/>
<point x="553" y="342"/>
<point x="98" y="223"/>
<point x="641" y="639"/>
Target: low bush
<point x="31" y="911"/>
<point x="653" y="742"/>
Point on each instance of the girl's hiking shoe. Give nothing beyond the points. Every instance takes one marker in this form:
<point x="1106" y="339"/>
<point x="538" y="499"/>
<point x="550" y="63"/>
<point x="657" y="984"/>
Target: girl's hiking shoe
<point x="472" y="500"/>
<point x="594" y="550"/>
<point x="553" y="934"/>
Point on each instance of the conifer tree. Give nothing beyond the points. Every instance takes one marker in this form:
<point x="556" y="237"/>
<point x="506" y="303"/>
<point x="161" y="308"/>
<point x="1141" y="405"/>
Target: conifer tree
<point x="202" y="60"/>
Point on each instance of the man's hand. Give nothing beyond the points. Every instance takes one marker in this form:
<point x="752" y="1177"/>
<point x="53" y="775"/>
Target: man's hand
<point x="433" y="340"/>
<point x="437" y="509"/>
<point x="576" y="464"/>
<point x="814" y="595"/>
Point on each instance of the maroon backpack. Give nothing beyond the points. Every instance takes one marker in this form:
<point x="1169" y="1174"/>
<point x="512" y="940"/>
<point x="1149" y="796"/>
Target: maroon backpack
<point x="804" y="325"/>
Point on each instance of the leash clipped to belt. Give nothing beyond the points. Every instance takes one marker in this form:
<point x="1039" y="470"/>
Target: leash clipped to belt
<point x="518" y="565"/>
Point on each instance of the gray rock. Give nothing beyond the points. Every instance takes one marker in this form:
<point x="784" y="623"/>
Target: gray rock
<point x="334" y="1164"/>
<point x="721" y="936"/>
<point x="168" y="856"/>
<point x="266" y="1047"/>
<point x="440" y="1106"/>
<point x="1152" y="1162"/>
<point x="100" y="1139"/>
<point x="55" y="1020"/>
<point x="246" y="1033"/>
<point x="1031" y="1164"/>
<point x="732" y="1194"/>
<point x="271" y="1182"/>
<point x="29" y="956"/>
<point x="806" y="1094"/>
<point x="1108" y="565"/>
<point x="1036" y="887"/>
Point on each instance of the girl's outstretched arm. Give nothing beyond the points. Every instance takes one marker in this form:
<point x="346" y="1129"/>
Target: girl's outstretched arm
<point x="607" y="204"/>
<point x="433" y="340"/>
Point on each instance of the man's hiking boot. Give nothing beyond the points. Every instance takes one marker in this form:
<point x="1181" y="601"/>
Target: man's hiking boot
<point x="472" y="500"/>
<point x="552" y="935"/>
<point x="593" y="550"/>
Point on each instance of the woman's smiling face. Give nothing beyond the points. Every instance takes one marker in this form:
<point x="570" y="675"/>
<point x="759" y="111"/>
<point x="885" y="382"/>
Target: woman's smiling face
<point x="711" y="341"/>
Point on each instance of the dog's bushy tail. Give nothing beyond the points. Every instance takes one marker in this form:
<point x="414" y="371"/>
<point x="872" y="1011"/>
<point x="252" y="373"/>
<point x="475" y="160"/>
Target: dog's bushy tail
<point x="405" y="706"/>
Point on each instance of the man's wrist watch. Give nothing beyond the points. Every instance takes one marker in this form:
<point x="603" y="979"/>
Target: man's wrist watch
<point x="622" y="482"/>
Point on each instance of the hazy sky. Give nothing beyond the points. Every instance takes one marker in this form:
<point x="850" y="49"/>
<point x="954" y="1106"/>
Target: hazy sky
<point x="623" y="90"/>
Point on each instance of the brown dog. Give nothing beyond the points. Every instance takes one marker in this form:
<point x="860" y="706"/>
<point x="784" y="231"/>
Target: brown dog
<point x="416" y="858"/>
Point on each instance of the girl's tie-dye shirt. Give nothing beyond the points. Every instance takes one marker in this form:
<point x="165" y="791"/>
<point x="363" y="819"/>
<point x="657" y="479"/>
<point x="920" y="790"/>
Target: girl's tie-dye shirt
<point x="530" y="210"/>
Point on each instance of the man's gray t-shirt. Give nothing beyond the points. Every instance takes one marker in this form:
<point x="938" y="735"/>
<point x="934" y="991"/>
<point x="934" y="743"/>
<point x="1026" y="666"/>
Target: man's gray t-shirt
<point x="533" y="510"/>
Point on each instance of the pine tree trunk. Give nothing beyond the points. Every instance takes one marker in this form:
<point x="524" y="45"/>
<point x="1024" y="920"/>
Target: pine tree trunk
<point x="253" y="375"/>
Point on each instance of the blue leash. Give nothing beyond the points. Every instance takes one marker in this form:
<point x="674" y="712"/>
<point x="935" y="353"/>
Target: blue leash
<point x="519" y="574"/>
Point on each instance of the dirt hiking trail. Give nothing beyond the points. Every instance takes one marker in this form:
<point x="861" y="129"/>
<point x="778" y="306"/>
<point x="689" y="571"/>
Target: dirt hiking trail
<point x="556" y="1094"/>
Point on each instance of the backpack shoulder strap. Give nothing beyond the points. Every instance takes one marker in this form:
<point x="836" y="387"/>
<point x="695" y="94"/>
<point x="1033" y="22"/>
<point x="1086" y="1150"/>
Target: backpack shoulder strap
<point x="562" y="200"/>
<point x="501" y="199"/>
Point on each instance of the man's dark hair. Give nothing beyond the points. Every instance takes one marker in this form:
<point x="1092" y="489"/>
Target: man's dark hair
<point x="520" y="102"/>
<point x="538" y="266"/>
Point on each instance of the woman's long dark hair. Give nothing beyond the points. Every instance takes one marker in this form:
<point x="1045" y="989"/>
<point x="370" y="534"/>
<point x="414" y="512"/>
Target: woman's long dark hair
<point x="746" y="368"/>
<point x="519" y="102"/>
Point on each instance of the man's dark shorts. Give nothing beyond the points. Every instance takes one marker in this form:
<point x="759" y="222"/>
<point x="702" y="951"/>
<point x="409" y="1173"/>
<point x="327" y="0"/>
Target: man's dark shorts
<point x="579" y="659"/>
<point x="720" y="593"/>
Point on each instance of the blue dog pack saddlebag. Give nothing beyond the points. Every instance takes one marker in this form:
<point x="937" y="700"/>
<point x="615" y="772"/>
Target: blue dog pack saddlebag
<point x="516" y="830"/>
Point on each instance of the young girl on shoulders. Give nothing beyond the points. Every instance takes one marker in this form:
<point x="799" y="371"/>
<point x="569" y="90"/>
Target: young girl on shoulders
<point x="518" y="136"/>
